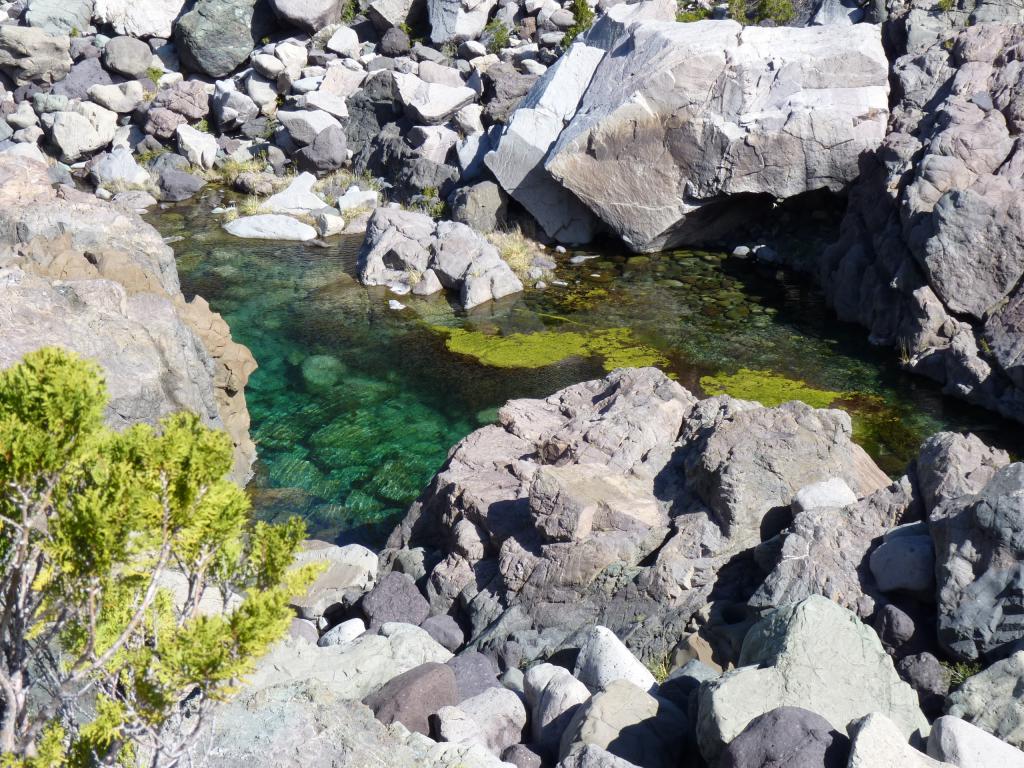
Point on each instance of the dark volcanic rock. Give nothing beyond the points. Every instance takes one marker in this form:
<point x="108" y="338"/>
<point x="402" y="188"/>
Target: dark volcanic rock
<point x="787" y="737"/>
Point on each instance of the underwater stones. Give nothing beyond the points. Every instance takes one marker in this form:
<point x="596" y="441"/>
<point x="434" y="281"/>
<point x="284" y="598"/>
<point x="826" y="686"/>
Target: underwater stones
<point x="270" y="226"/>
<point x="322" y="372"/>
<point x="812" y="654"/>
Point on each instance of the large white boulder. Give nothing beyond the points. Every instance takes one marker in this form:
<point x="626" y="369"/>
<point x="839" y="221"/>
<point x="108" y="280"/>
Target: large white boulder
<point x="690" y="114"/>
<point x="148" y="18"/>
<point x="270" y="226"/>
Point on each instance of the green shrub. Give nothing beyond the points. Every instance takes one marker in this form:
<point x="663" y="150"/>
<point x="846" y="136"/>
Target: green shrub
<point x="946" y="5"/>
<point x="497" y="35"/>
<point x="584" y="16"/>
<point x="779" y="11"/>
<point x="93" y="523"/>
<point x="698" y="14"/>
<point x="349" y="11"/>
<point x="154" y="74"/>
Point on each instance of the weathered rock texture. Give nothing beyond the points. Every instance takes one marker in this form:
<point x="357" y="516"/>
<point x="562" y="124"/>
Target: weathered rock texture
<point x="665" y="122"/>
<point x="929" y="253"/>
<point x="98" y="280"/>
<point x="617" y="502"/>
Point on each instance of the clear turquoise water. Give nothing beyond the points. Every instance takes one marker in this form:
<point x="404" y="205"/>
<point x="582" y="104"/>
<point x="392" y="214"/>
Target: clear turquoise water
<point x="354" y="406"/>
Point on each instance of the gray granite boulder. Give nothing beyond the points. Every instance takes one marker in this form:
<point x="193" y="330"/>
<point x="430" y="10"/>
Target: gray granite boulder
<point x="31" y="55"/>
<point x="152" y="18"/>
<point x="990" y="700"/>
<point x="308" y="15"/>
<point x="831" y="113"/>
<point x="956" y="741"/>
<point x="394" y="598"/>
<point x="631" y="724"/>
<point x="59" y="17"/>
<point x="217" y="36"/>
<point x="815" y="655"/>
<point x="127" y="56"/>
<point x="979" y="546"/>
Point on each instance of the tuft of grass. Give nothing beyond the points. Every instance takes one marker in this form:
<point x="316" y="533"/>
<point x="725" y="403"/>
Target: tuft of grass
<point x="349" y="11"/>
<point x="514" y="249"/>
<point x="498" y="36"/>
<point x="203" y="125"/>
<point x="250" y="206"/>
<point x="430" y="203"/>
<point x="961" y="671"/>
<point x="584" y="16"/>
<point x="154" y="74"/>
<point x="147" y="157"/>
<point x="660" y="669"/>
<point x="229" y="170"/>
<point x="946" y="6"/>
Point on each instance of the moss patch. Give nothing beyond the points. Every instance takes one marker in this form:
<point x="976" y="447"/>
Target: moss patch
<point x="768" y="388"/>
<point x="616" y="346"/>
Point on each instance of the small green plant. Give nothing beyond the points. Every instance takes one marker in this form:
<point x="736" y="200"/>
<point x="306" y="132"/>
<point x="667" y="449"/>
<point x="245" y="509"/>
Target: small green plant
<point x="450" y="50"/>
<point x="514" y="249"/>
<point x="349" y="11"/>
<point x="497" y="35"/>
<point x="251" y="206"/>
<point x="101" y="652"/>
<point x="738" y="11"/>
<point x="429" y="202"/>
<point x="203" y="125"/>
<point x="779" y="11"/>
<point x="660" y="669"/>
<point x="961" y="671"/>
<point x="147" y="157"/>
<point x="154" y="74"/>
<point x="946" y="6"/>
<point x="584" y="16"/>
<point x="75" y="32"/>
<point x="698" y="14"/>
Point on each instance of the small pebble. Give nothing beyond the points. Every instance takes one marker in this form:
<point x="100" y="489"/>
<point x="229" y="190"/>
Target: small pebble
<point x="395" y="305"/>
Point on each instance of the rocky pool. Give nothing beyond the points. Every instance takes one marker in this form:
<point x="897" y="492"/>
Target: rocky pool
<point x="355" y="405"/>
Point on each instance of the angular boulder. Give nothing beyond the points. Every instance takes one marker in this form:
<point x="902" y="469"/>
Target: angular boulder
<point x="686" y="115"/>
<point x="152" y="18"/>
<point x="631" y="724"/>
<point x="979" y="548"/>
<point x="815" y="655"/>
<point x="31" y="55"/>
<point x="308" y="15"/>
<point x="217" y="36"/>
<point x="990" y="700"/>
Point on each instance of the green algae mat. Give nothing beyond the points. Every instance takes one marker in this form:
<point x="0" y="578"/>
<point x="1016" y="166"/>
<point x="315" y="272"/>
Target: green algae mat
<point x="355" y="406"/>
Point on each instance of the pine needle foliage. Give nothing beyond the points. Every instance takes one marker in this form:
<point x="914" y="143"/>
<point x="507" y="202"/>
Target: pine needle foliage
<point x="112" y="546"/>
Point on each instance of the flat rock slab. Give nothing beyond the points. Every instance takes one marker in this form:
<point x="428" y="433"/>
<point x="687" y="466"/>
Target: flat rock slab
<point x="270" y="226"/>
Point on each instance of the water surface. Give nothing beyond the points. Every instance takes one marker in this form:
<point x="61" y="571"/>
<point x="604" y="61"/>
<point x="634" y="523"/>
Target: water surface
<point x="354" y="405"/>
